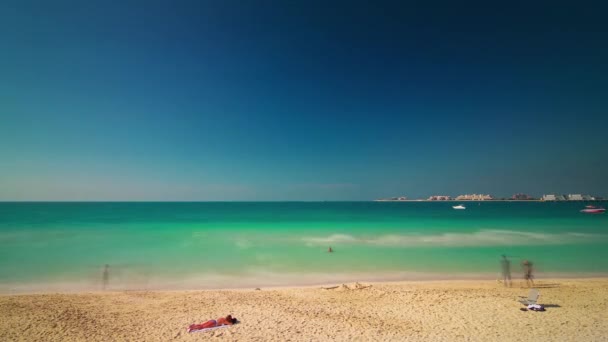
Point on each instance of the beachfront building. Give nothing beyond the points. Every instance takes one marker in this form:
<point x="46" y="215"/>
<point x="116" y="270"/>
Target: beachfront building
<point x="474" y="197"/>
<point x="579" y="197"/>
<point x="392" y="199"/>
<point x="521" y="197"/>
<point x="553" y="197"/>
<point x="440" y="198"/>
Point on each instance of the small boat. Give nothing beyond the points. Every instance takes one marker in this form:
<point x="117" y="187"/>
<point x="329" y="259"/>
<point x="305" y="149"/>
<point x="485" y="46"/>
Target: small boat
<point x="460" y="206"/>
<point x="593" y="210"/>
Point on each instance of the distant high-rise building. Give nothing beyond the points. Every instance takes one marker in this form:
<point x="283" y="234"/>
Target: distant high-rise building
<point x="439" y="198"/>
<point x="553" y="197"/>
<point x="402" y="198"/>
<point x="474" y="197"/>
<point x="521" y="197"/>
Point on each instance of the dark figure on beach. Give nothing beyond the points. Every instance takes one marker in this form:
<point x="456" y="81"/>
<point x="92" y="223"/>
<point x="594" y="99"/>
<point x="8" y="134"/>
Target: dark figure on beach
<point x="505" y="265"/>
<point x="528" y="276"/>
<point x="106" y="276"/>
<point x="330" y="250"/>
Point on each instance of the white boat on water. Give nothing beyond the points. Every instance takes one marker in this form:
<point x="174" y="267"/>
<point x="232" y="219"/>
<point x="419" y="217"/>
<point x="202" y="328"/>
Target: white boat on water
<point x="593" y="210"/>
<point x="460" y="206"/>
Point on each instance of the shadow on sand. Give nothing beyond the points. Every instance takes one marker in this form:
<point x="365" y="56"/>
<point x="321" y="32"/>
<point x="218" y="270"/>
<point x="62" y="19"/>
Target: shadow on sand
<point x="546" y="286"/>
<point x="540" y="286"/>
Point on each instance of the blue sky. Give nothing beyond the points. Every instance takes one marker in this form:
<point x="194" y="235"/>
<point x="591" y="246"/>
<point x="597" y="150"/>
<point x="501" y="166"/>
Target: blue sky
<point x="303" y="100"/>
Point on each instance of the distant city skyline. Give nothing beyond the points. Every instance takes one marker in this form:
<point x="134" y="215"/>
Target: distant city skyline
<point x="306" y="100"/>
<point x="486" y="197"/>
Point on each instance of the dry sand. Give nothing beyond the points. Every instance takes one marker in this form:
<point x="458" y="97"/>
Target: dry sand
<point x="412" y="311"/>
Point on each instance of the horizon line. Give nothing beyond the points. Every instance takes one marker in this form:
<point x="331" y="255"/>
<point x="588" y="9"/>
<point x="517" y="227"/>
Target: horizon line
<point x="288" y="201"/>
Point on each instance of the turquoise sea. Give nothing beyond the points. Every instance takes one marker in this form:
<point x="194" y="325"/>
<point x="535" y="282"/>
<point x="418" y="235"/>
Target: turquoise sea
<point x="63" y="246"/>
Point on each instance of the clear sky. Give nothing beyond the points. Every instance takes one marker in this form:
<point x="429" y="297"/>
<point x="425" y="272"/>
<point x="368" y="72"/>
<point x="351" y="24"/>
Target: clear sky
<point x="301" y="100"/>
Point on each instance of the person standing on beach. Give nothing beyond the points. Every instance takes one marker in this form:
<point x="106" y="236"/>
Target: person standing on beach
<point x="527" y="266"/>
<point x="106" y="276"/>
<point x="505" y="266"/>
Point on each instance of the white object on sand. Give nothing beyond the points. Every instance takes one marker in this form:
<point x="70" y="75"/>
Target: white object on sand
<point x="207" y="329"/>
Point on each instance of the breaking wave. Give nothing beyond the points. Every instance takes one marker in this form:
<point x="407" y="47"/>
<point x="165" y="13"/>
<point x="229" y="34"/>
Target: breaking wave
<point x="477" y="238"/>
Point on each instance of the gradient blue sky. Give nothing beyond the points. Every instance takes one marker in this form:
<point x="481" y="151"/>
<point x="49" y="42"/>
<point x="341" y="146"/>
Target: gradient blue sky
<point x="301" y="100"/>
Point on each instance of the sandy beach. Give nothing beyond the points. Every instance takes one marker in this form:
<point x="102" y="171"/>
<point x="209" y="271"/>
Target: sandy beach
<point x="576" y="309"/>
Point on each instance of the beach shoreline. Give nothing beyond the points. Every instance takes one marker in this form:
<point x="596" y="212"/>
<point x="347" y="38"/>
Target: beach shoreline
<point x="267" y="280"/>
<point x="475" y="310"/>
<point x="177" y="245"/>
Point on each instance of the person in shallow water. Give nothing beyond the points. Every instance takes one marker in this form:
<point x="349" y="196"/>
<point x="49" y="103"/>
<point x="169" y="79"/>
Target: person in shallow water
<point x="105" y="277"/>
<point x="528" y="276"/>
<point x="505" y="266"/>
<point x="329" y="250"/>
<point x="212" y="323"/>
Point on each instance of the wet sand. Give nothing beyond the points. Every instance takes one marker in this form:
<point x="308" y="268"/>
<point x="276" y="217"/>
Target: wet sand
<point x="576" y="309"/>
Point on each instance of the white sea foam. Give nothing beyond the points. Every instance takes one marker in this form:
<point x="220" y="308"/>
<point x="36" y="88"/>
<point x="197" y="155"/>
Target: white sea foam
<point x="334" y="238"/>
<point x="477" y="238"/>
<point x="243" y="243"/>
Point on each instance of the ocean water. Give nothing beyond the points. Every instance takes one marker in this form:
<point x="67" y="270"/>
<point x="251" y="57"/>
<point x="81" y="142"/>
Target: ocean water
<point x="63" y="246"/>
